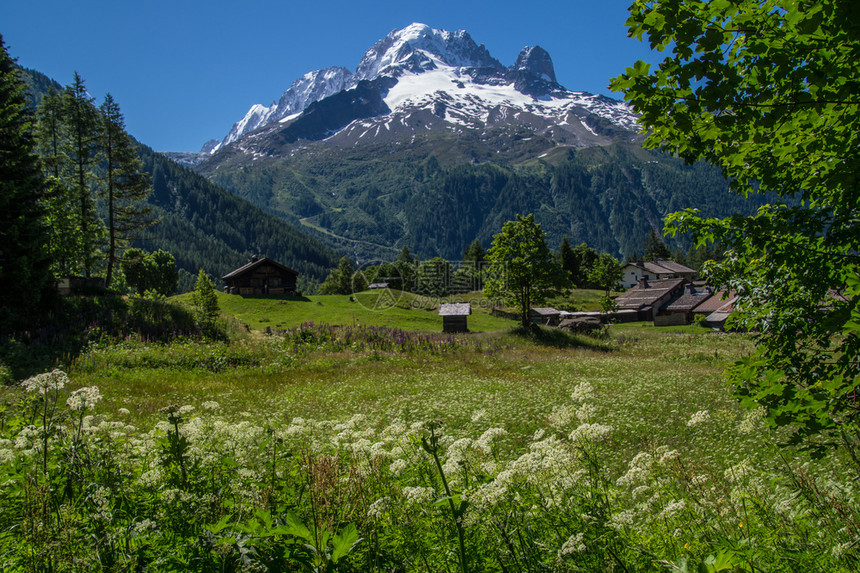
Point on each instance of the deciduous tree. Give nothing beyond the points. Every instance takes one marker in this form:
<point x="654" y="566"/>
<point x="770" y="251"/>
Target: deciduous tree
<point x="769" y="91"/>
<point x="522" y="270"/>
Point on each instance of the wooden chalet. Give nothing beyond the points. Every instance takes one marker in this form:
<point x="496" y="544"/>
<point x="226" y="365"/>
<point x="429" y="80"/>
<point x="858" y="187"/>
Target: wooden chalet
<point x="632" y="273"/>
<point x="261" y="276"/>
<point x="643" y="301"/>
<point x="454" y="316"/>
<point x="680" y="311"/>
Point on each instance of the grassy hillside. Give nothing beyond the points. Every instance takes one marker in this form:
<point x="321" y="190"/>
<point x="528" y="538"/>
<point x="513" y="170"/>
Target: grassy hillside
<point x="388" y="308"/>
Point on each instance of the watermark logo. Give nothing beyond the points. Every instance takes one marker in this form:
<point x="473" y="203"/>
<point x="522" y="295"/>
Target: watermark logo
<point x="380" y="286"/>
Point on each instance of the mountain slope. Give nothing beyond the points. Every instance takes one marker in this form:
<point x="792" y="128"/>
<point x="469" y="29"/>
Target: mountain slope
<point x="435" y="143"/>
<point x="207" y="227"/>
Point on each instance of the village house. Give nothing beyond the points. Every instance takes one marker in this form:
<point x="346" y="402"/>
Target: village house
<point x="261" y="276"/>
<point x="454" y="316"/>
<point x="632" y="273"/>
<point x="717" y="309"/>
<point x="646" y="298"/>
<point x="680" y="310"/>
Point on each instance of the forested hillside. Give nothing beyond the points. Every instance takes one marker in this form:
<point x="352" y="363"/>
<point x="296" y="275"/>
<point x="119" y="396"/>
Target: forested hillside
<point x="385" y="197"/>
<point x="206" y="227"/>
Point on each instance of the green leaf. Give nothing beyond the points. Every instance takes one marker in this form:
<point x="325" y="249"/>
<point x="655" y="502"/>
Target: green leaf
<point x="344" y="542"/>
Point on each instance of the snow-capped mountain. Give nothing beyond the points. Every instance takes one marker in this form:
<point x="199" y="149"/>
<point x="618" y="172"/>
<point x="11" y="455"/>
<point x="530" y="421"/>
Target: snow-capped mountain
<point x="419" y="79"/>
<point x="309" y="88"/>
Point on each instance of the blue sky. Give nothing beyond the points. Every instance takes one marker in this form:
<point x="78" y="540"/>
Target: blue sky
<point x="185" y="71"/>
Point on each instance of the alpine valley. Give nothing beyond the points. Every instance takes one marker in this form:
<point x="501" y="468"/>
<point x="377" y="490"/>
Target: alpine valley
<point x="432" y="143"/>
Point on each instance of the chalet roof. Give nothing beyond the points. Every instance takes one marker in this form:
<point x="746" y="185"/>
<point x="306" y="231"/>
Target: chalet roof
<point x="256" y="263"/>
<point x="691" y="299"/>
<point x="455" y="309"/>
<point x="661" y="267"/>
<point x="717" y="301"/>
<point x="674" y="267"/>
<point x="638" y="297"/>
<point x="546" y="311"/>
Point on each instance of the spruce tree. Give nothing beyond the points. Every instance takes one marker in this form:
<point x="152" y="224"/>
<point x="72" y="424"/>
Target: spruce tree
<point x="24" y="261"/>
<point x="81" y="146"/>
<point x="655" y="248"/>
<point x="65" y="244"/>
<point x="125" y="186"/>
<point x="568" y="260"/>
<point x="205" y="300"/>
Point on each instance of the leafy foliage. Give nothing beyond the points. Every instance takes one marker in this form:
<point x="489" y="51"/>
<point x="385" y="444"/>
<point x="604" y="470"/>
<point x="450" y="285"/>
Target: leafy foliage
<point x="154" y="272"/>
<point x="768" y="91"/>
<point x="522" y="270"/>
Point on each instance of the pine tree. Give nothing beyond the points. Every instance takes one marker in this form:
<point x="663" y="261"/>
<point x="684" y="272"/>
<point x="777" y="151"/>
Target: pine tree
<point x="81" y="145"/>
<point x="655" y="248"/>
<point x="205" y="300"/>
<point x="65" y="244"/>
<point x="24" y="260"/>
<point x="568" y="260"/>
<point x="125" y="187"/>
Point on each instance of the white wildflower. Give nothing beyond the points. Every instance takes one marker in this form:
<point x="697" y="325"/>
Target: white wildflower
<point x="673" y="507"/>
<point x="753" y="421"/>
<point x="621" y="520"/>
<point x="397" y="466"/>
<point x="210" y="405"/>
<point x="583" y="391"/>
<point x="84" y="398"/>
<point x="698" y="418"/>
<point x="123" y="412"/>
<point x="590" y="433"/>
<point x="419" y="495"/>
<point x="185" y="410"/>
<point x="479" y="415"/>
<point x="561" y="416"/>
<point x="378" y="508"/>
<point x="574" y="544"/>
<point x="586" y="412"/>
<point x="46" y="382"/>
<point x="485" y="442"/>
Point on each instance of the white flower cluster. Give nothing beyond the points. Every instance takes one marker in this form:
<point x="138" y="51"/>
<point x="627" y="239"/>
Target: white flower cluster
<point x="574" y="544"/>
<point x="46" y="382"/>
<point x="84" y="398"/>
<point x="698" y="418"/>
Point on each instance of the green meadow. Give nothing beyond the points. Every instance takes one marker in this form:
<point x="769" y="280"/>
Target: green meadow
<point x="358" y="437"/>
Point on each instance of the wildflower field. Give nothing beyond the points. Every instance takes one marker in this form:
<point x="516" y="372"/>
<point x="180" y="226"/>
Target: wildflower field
<point x="371" y="448"/>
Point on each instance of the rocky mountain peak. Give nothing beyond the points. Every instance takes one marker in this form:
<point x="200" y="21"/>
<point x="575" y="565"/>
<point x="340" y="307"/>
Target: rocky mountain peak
<point x="536" y="61"/>
<point x="419" y="47"/>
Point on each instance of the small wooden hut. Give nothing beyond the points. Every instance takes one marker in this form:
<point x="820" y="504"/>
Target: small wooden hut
<point x="454" y="316"/>
<point x="544" y="316"/>
<point x="261" y="276"/>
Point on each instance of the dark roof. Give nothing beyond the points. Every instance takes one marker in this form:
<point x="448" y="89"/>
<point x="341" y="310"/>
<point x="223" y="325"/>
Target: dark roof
<point x="691" y="299"/>
<point x="545" y="311"/>
<point x="661" y="267"/>
<point x="254" y="264"/>
<point x="455" y="309"/>
<point x="674" y="267"/>
<point x="717" y="301"/>
<point x="637" y="297"/>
